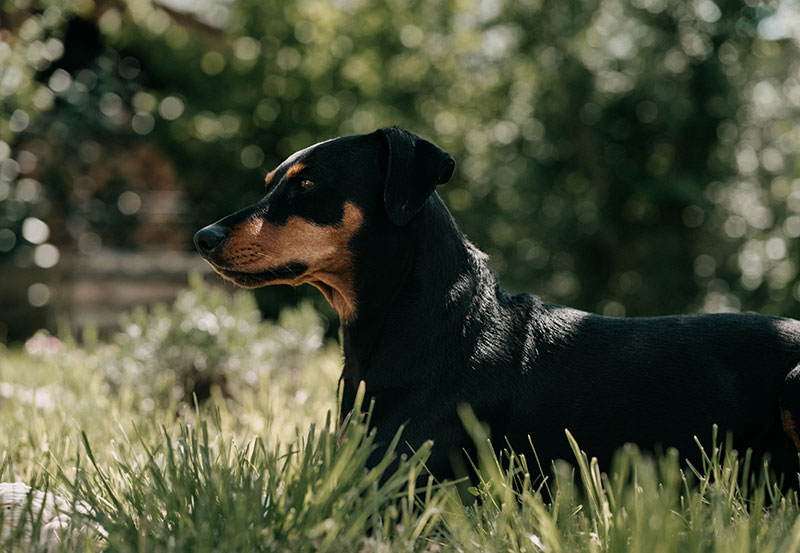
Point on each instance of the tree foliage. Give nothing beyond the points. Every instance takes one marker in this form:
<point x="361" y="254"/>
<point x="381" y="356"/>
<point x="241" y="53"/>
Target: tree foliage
<point x="624" y="157"/>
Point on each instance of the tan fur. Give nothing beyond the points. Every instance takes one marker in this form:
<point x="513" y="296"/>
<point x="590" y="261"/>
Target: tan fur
<point x="256" y="245"/>
<point x="294" y="170"/>
<point x="789" y="427"/>
<point x="270" y="176"/>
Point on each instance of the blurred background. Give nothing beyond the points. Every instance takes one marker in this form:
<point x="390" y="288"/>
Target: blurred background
<point x="628" y="157"/>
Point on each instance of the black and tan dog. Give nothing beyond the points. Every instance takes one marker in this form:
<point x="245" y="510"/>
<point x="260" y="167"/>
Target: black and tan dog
<point x="427" y="327"/>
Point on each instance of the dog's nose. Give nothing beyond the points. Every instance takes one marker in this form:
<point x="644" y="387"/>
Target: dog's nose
<point x="210" y="238"/>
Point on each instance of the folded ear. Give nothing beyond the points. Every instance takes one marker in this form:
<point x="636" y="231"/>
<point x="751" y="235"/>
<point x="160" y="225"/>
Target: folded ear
<point x="414" y="167"/>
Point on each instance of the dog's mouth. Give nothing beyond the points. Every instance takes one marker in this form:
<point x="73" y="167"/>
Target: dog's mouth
<point x="253" y="279"/>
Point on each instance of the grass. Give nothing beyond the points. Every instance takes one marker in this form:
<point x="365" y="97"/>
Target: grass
<point x="265" y="469"/>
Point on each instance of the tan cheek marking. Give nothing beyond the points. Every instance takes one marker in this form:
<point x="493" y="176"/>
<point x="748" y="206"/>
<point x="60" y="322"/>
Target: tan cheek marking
<point x="294" y="170"/>
<point x="256" y="246"/>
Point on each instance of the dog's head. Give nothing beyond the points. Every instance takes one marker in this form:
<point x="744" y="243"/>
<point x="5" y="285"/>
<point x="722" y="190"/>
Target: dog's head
<point x="316" y="203"/>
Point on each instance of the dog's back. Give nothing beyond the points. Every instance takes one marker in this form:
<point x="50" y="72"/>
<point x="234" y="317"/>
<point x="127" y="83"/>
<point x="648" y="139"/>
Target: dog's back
<point x="656" y="382"/>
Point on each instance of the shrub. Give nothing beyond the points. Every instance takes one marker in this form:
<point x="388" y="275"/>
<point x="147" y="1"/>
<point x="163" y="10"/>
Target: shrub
<point x="207" y="338"/>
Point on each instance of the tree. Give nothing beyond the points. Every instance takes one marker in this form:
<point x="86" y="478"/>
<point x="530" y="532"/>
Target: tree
<point x="623" y="157"/>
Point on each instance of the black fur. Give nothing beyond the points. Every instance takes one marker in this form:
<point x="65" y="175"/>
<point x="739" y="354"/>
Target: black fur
<point x="434" y="330"/>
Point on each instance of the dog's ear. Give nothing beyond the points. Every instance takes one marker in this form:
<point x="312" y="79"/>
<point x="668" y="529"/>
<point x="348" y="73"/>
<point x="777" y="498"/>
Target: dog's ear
<point x="414" y="167"/>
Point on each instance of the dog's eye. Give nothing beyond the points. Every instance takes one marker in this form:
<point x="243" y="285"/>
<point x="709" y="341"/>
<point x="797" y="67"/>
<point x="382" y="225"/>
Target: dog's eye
<point x="306" y="184"/>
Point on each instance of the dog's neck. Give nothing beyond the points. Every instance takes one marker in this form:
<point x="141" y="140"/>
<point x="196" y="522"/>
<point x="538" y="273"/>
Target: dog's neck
<point x="435" y="279"/>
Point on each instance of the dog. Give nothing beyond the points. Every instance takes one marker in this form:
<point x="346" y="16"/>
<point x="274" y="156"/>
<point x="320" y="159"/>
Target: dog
<point x="428" y="328"/>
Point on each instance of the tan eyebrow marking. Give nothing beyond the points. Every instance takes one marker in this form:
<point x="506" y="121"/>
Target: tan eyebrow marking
<point x="294" y="170"/>
<point x="270" y="176"/>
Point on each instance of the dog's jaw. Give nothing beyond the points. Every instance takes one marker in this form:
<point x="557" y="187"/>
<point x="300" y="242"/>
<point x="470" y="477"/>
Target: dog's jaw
<point x="286" y="274"/>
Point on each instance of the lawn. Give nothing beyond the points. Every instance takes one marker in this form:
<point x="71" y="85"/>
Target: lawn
<point x="198" y="428"/>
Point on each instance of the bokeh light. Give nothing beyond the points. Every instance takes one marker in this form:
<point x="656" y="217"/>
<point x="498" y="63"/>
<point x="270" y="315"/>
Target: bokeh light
<point x="46" y="256"/>
<point x="38" y="294"/>
<point x="35" y="230"/>
<point x="170" y="108"/>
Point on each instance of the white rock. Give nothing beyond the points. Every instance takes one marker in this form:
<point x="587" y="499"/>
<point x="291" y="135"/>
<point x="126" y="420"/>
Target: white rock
<point x="18" y="500"/>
